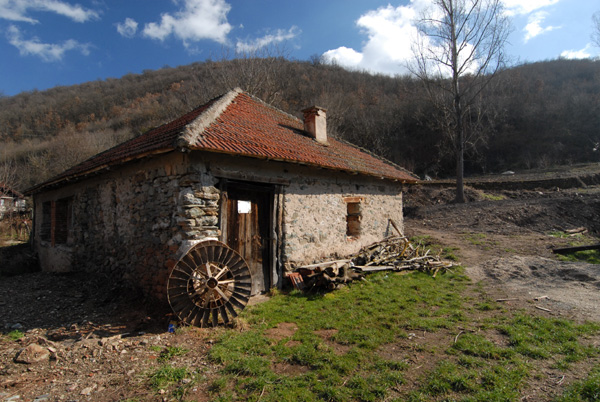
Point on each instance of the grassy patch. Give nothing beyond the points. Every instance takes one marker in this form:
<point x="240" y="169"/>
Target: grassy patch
<point x="167" y="375"/>
<point x="479" y="239"/>
<point x="544" y="338"/>
<point x="371" y="345"/>
<point x="492" y="197"/>
<point x="170" y="352"/>
<point x="15" y="335"/>
<point x="587" y="390"/>
<point x="559" y="234"/>
<point x="588" y="256"/>
<point x="364" y="316"/>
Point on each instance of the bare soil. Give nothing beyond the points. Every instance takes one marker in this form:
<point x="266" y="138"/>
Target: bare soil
<point x="506" y="245"/>
<point x="101" y="341"/>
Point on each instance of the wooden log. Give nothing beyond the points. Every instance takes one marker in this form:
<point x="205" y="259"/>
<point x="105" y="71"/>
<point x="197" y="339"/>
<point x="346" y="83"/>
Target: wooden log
<point x="568" y="250"/>
<point x="326" y="264"/>
<point x="365" y="268"/>
<point x="395" y="227"/>
<point x="576" y="230"/>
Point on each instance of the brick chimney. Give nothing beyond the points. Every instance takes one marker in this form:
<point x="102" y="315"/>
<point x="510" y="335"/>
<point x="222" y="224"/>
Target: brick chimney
<point x="315" y="123"/>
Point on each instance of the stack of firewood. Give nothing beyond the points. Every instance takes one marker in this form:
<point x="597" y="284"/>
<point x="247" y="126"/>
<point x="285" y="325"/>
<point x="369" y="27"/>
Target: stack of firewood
<point x="398" y="254"/>
<point x="328" y="274"/>
<point x="394" y="253"/>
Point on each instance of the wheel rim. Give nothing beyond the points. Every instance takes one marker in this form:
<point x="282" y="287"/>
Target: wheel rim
<point x="208" y="284"/>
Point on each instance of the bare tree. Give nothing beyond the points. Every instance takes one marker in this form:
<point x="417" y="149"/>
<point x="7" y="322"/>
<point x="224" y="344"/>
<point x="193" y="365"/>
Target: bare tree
<point x="458" y="52"/>
<point x="596" y="28"/>
<point x="8" y="175"/>
<point x="256" y="71"/>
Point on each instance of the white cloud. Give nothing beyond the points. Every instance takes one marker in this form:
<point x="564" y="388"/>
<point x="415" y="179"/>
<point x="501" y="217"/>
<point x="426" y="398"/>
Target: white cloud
<point x="197" y="20"/>
<point x="584" y="53"/>
<point x="524" y="7"/>
<point x="279" y="36"/>
<point x="343" y="56"/>
<point x="46" y="51"/>
<point x="390" y="31"/>
<point x="534" y="26"/>
<point x="16" y="10"/>
<point x="127" y="28"/>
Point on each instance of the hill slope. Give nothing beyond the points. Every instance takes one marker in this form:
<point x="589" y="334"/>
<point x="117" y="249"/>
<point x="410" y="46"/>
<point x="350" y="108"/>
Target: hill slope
<point x="541" y="114"/>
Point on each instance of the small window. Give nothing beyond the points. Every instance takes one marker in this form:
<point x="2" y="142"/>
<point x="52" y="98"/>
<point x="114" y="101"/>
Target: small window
<point x="56" y="221"/>
<point x="46" y="228"/>
<point x="353" y="217"/>
<point x="62" y="221"/>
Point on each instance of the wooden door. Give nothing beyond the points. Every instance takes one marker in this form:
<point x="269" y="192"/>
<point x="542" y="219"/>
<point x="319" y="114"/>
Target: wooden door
<point x="248" y="228"/>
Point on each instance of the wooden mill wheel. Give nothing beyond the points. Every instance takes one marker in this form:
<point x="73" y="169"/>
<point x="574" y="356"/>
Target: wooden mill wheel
<point x="210" y="280"/>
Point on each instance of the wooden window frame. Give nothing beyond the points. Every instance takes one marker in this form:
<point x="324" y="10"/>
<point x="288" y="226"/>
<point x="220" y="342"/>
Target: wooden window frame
<point x="353" y="217"/>
<point x="57" y="221"/>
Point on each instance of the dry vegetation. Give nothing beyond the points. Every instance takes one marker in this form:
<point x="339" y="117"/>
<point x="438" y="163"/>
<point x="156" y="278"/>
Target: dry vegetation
<point x="540" y="114"/>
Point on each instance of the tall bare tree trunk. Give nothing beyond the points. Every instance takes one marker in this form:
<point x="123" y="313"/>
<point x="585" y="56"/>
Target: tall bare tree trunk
<point x="460" y="38"/>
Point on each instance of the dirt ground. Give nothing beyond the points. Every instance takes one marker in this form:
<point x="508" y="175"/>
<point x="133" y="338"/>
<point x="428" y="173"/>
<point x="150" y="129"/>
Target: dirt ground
<point x="88" y="339"/>
<point x="507" y="244"/>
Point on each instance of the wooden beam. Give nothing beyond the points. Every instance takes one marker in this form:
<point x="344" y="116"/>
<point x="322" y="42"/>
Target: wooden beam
<point x="568" y="250"/>
<point x="247" y="176"/>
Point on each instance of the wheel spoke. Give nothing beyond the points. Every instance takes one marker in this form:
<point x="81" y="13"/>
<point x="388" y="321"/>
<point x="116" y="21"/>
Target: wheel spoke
<point x="208" y="284"/>
<point x="220" y="292"/>
<point x="221" y="272"/>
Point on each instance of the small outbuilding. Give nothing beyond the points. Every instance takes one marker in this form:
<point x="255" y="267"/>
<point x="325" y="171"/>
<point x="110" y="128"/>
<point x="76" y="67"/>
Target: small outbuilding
<point x="270" y="186"/>
<point x="12" y="202"/>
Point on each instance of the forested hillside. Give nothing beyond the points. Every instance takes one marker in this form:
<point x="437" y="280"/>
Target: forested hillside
<point x="542" y="114"/>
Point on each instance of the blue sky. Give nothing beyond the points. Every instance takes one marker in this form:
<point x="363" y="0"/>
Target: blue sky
<point x="45" y="43"/>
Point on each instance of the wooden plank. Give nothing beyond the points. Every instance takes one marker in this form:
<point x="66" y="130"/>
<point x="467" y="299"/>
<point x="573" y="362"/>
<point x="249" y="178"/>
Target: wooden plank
<point x="247" y="176"/>
<point x="353" y="199"/>
<point x="568" y="250"/>
<point x="377" y="268"/>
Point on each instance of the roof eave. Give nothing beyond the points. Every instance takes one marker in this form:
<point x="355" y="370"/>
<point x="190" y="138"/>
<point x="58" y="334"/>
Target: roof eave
<point x="305" y="163"/>
<point x="98" y="169"/>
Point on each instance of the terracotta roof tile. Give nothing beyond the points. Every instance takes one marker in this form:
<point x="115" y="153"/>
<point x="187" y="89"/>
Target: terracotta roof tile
<point x="237" y="123"/>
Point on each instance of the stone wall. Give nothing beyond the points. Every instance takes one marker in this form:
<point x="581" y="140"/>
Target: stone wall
<point x="133" y="224"/>
<point x="316" y="209"/>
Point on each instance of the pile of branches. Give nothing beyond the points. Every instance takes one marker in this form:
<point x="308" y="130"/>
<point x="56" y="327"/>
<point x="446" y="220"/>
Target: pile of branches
<point x="395" y="253"/>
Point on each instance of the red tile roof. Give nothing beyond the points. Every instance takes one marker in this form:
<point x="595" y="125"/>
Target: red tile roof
<point x="239" y="124"/>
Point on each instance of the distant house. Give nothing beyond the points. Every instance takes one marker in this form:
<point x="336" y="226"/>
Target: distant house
<point x="273" y="187"/>
<point x="11" y="201"/>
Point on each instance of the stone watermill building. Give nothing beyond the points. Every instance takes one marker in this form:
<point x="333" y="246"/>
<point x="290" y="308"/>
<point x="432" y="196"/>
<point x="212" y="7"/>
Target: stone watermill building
<point x="268" y="185"/>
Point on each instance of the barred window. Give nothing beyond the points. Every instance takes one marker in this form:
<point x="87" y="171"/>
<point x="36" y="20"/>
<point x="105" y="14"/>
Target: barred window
<point x="46" y="227"/>
<point x="57" y="219"/>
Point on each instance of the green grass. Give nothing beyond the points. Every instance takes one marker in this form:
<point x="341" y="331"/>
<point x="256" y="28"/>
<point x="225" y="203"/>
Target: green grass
<point x="559" y="234"/>
<point x="167" y="375"/>
<point x="479" y="239"/>
<point x="588" y="256"/>
<point x="587" y="390"/>
<point x="492" y="197"/>
<point x="15" y="335"/>
<point x="170" y="352"/>
<point x="368" y="318"/>
<point x="545" y="338"/>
